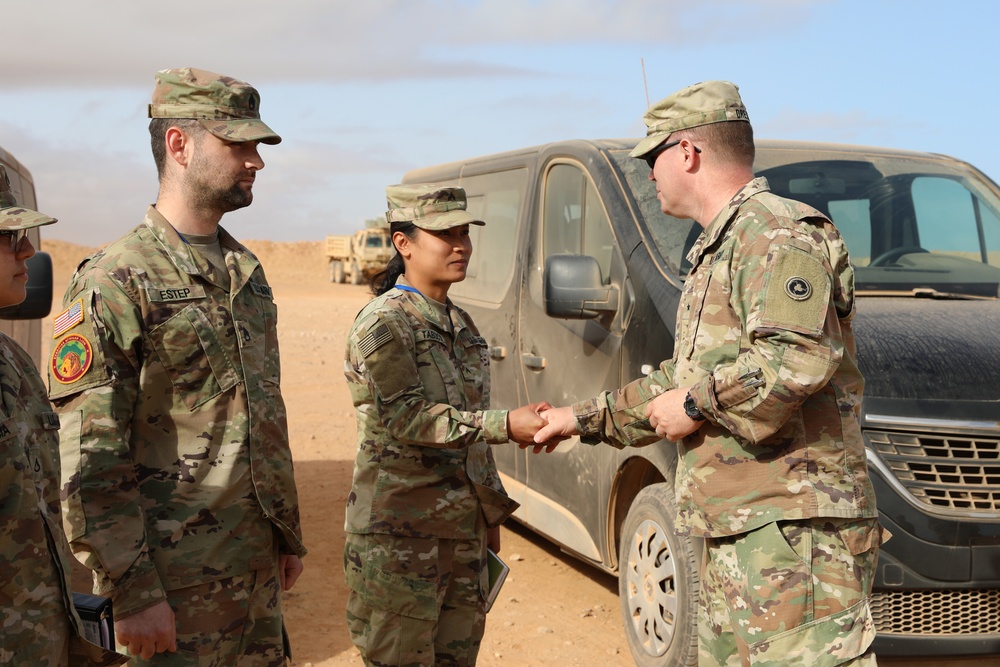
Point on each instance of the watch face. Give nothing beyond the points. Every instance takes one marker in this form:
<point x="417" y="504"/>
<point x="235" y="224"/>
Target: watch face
<point x="691" y="410"/>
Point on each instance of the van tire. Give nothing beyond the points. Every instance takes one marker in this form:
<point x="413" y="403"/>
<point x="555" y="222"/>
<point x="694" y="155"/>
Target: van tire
<point x="658" y="583"/>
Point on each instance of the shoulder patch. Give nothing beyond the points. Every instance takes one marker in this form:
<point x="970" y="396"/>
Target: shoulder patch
<point x="797" y="292"/>
<point x="67" y="319"/>
<point x="71" y="359"/>
<point x="378" y="337"/>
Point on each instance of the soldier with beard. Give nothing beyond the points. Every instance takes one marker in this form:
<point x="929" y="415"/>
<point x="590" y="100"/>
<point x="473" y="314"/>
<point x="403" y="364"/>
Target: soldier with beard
<point x="177" y="474"/>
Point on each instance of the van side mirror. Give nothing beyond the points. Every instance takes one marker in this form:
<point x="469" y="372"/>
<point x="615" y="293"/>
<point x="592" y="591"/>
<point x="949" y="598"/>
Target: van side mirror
<point x="574" y="289"/>
<point x="38" y="302"/>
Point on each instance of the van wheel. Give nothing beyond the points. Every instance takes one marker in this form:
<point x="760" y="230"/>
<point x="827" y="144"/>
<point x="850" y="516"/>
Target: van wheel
<point x="658" y="583"/>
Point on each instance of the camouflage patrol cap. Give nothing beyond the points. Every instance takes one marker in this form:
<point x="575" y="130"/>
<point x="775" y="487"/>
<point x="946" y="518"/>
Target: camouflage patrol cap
<point x="226" y="107"/>
<point x="701" y="104"/>
<point x="12" y="216"/>
<point x="428" y="206"/>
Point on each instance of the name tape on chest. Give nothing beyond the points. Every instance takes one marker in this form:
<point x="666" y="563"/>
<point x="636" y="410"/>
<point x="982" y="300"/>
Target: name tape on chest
<point x="180" y="293"/>
<point x="429" y="334"/>
<point x="261" y="290"/>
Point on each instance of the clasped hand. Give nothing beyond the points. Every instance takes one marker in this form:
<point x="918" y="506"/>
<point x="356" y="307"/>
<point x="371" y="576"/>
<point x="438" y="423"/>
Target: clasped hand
<point x="524" y="423"/>
<point x="665" y="413"/>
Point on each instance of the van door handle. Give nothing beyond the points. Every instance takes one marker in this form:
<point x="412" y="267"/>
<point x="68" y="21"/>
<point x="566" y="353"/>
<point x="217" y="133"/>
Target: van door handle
<point x="531" y="361"/>
<point x="498" y="352"/>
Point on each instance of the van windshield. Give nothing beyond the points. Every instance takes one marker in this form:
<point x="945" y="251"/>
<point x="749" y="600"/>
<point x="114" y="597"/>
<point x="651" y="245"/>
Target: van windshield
<point x="913" y="224"/>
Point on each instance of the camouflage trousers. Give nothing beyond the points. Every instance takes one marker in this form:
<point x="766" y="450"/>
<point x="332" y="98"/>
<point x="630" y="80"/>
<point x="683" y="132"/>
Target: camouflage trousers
<point x="232" y="622"/>
<point x="416" y="602"/>
<point x="789" y="593"/>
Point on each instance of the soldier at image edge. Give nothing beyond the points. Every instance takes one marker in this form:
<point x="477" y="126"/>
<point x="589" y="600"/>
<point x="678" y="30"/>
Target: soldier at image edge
<point x="39" y="626"/>
<point x="177" y="478"/>
<point x="762" y="396"/>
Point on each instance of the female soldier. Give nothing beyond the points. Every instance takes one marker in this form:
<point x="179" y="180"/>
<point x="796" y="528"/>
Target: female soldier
<point x="40" y="627"/>
<point x="426" y="496"/>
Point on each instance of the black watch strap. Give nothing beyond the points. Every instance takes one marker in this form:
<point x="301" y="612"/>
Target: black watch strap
<point x="691" y="410"/>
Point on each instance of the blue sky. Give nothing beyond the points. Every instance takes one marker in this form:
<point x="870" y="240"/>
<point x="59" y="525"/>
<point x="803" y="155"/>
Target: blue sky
<point x="363" y="91"/>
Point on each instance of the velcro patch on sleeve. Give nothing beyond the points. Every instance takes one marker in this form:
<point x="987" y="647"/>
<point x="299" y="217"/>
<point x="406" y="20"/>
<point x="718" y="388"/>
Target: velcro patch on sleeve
<point x="798" y="291"/>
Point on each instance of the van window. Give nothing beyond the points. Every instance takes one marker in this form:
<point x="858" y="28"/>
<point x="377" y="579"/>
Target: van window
<point x="575" y="221"/>
<point x="496" y="200"/>
<point x="954" y="221"/>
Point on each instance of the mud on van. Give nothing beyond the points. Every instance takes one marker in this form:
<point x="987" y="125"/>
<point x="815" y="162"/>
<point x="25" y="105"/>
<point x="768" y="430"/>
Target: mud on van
<point x="23" y="322"/>
<point x="924" y="235"/>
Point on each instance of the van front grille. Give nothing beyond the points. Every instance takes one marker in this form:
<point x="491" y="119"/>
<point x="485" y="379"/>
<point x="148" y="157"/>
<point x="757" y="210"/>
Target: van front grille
<point x="952" y="473"/>
<point x="937" y="612"/>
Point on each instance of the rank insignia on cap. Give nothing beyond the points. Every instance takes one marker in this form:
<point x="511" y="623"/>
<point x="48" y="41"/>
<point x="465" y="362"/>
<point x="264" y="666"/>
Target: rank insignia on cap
<point x="798" y="288"/>
<point x="68" y="319"/>
<point x="71" y="359"/>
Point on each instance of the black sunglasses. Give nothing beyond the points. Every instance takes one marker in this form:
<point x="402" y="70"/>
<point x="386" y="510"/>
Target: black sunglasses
<point x="15" y="238"/>
<point x="651" y="156"/>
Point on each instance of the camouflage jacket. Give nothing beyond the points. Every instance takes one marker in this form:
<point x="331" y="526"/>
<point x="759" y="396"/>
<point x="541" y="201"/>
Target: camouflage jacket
<point x="38" y="625"/>
<point x="764" y="342"/>
<point x="176" y="463"/>
<point x="418" y="372"/>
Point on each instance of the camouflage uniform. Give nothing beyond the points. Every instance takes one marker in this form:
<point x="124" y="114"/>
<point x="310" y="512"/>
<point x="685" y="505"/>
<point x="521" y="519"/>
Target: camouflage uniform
<point x="776" y="478"/>
<point x="425" y="483"/>
<point x="39" y="626"/>
<point x="176" y="465"/>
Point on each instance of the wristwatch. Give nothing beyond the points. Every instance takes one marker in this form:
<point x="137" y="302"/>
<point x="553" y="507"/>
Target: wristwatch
<point x="691" y="410"/>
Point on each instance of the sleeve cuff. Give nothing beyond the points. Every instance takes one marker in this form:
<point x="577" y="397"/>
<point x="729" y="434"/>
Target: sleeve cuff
<point x="135" y="593"/>
<point x="495" y="426"/>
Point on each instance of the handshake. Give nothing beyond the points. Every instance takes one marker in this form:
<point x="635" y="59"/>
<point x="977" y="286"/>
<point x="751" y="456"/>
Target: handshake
<point x="541" y="426"/>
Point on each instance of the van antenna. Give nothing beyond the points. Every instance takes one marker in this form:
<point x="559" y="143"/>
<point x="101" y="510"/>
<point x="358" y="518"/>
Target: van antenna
<point x="642" y="62"/>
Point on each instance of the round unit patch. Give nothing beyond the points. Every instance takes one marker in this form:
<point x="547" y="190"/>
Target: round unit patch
<point x="71" y="358"/>
<point x="798" y="288"/>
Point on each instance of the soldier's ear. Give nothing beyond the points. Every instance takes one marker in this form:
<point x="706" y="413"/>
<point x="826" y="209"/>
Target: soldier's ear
<point x="403" y="244"/>
<point x="180" y="145"/>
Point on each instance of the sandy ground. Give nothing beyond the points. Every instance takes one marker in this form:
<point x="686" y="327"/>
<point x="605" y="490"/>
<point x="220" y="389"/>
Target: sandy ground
<point x="553" y="611"/>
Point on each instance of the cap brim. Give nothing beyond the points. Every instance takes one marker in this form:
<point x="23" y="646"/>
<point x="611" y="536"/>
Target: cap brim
<point x="17" y="217"/>
<point x="447" y="220"/>
<point x="251" y="129"/>
<point x="648" y="144"/>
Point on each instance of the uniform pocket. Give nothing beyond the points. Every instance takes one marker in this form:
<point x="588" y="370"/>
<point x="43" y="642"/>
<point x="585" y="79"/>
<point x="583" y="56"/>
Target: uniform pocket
<point x="193" y="356"/>
<point x="437" y="371"/>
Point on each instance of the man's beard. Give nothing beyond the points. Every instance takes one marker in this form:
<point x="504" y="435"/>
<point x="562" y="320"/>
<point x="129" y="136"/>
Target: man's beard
<point x="205" y="196"/>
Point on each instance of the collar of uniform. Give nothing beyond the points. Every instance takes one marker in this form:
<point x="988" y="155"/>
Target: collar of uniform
<point x="715" y="229"/>
<point x="435" y="312"/>
<point x="185" y="258"/>
<point x="180" y="252"/>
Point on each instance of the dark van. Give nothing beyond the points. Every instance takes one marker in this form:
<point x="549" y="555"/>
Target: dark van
<point x="579" y="221"/>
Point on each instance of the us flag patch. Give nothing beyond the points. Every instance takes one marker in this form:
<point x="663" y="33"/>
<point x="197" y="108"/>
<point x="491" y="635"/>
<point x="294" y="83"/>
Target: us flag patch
<point x="379" y="336"/>
<point x="68" y="319"/>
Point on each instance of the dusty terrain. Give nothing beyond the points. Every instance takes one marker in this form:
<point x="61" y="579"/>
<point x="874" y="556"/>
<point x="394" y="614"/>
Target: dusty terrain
<point x="553" y="610"/>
